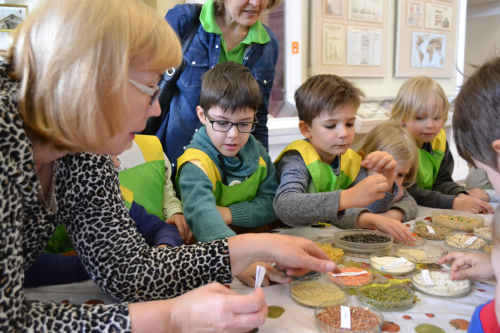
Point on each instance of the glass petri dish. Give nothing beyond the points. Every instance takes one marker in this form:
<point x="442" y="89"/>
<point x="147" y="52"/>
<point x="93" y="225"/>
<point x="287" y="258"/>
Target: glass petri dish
<point x="385" y="241"/>
<point x="366" y="315"/>
<point x="483" y="232"/>
<point x="351" y="281"/>
<point x="380" y="263"/>
<point x="456" y="242"/>
<point x="382" y="300"/>
<point x="314" y="291"/>
<point x="419" y="240"/>
<point x="440" y="232"/>
<point x="444" y="287"/>
<point x="335" y="253"/>
<point x="457" y="220"/>
<point x="424" y="254"/>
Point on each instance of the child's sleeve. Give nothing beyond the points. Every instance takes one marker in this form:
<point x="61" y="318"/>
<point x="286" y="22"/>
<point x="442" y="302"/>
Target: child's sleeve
<point x="171" y="204"/>
<point x="259" y="211"/>
<point x="407" y="205"/>
<point x="295" y="207"/>
<point x="153" y="229"/>
<point x="200" y="209"/>
<point x="444" y="182"/>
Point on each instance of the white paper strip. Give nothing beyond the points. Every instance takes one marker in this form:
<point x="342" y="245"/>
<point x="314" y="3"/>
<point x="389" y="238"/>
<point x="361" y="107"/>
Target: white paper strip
<point x="394" y="264"/>
<point x="349" y="273"/>
<point x="345" y="317"/>
<point x="259" y="276"/>
<point x="427" y="278"/>
<point x="431" y="230"/>
<point x="470" y="241"/>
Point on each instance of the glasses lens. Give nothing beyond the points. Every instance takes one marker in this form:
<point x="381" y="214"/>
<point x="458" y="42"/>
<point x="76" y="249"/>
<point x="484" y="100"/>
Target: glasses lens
<point x="246" y="127"/>
<point x="155" y="95"/>
<point x="221" y="126"/>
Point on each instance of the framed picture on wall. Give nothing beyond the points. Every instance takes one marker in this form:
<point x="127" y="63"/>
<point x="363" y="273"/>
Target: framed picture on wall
<point x="11" y="16"/>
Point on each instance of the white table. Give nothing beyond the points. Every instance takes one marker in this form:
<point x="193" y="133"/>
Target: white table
<point x="297" y="318"/>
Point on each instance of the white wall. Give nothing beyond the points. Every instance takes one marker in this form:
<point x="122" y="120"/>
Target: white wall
<point x="482" y="40"/>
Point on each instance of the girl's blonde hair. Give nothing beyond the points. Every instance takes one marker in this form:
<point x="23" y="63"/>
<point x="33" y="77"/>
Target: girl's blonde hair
<point x="412" y="97"/>
<point x="397" y="141"/>
<point x="72" y="58"/>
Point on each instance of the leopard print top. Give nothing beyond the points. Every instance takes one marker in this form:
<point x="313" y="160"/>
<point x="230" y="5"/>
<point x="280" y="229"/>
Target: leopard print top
<point x="89" y="202"/>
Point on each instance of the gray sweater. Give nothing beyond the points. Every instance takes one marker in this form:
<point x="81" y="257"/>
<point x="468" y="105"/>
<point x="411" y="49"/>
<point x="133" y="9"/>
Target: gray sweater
<point x="295" y="207"/>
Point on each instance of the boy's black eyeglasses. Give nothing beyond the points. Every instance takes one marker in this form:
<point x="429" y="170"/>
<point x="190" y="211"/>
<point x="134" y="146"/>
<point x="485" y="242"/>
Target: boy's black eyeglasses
<point x="225" y="126"/>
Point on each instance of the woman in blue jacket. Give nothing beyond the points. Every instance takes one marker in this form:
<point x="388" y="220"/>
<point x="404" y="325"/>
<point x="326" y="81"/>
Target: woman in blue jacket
<point x="229" y="30"/>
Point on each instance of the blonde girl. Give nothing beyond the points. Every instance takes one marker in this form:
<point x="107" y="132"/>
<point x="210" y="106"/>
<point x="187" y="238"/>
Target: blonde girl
<point x="422" y="107"/>
<point x="398" y="142"/>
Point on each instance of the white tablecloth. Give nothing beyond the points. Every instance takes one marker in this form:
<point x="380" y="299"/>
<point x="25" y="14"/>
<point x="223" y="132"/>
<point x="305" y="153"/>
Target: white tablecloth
<point x="445" y="314"/>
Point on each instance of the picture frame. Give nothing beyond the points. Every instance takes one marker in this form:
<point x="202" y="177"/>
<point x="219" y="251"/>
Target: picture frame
<point x="11" y="16"/>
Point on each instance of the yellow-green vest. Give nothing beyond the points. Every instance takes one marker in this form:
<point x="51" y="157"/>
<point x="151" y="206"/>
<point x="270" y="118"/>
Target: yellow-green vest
<point x="225" y="195"/>
<point x="323" y="179"/>
<point x="429" y="164"/>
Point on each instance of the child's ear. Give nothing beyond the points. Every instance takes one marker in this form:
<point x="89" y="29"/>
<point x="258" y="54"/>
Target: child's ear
<point x="496" y="146"/>
<point x="304" y="129"/>
<point x="201" y="115"/>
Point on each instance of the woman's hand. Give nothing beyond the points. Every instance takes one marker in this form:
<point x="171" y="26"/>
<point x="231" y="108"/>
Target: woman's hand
<point x="469" y="265"/>
<point x="272" y="275"/>
<point x="295" y="255"/>
<point x="180" y="222"/>
<point x="211" y="308"/>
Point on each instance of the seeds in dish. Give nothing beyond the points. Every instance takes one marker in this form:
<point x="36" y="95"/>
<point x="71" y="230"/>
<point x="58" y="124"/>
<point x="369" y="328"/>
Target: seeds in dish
<point x="459" y="241"/>
<point x="456" y="218"/>
<point x="334" y="253"/>
<point x="443" y="284"/>
<point x="483" y="232"/>
<point x="365" y="238"/>
<point x="440" y="232"/>
<point x="361" y="318"/>
<point x="314" y="293"/>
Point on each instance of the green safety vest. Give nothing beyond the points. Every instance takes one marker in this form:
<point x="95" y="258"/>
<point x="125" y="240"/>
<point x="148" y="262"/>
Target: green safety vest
<point x="428" y="164"/>
<point x="323" y="179"/>
<point x="143" y="183"/>
<point x="224" y="195"/>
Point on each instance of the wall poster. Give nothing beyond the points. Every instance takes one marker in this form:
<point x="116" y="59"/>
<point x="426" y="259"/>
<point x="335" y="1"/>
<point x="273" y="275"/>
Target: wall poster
<point x="350" y="37"/>
<point x="426" y="40"/>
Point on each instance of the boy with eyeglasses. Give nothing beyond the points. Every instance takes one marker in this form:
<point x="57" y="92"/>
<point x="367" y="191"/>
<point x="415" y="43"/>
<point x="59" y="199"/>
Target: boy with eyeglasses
<point x="225" y="177"/>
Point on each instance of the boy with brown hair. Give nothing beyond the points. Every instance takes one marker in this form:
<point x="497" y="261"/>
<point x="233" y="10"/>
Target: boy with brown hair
<point x="225" y="177"/>
<point x="321" y="172"/>
<point x="476" y="130"/>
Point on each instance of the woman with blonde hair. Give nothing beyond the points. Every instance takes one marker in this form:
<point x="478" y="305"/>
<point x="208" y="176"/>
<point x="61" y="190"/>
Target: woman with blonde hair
<point x="398" y="142"/>
<point x="78" y="82"/>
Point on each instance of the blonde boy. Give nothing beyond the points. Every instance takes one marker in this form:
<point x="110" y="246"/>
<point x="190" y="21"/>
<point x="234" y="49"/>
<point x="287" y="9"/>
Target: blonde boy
<point x="422" y="107"/>
<point x="321" y="179"/>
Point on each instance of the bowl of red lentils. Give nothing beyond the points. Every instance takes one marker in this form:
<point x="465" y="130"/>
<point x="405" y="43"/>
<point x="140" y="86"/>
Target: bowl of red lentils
<point x="362" y="318"/>
<point x="351" y="277"/>
<point x="457" y="220"/>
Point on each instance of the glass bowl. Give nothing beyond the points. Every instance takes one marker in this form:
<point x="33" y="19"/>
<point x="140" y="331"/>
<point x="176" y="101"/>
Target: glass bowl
<point x="373" y="324"/>
<point x="424" y="254"/>
<point x="314" y="291"/>
<point x="440" y="231"/>
<point x="456" y="242"/>
<point x="352" y="281"/>
<point x="417" y="242"/>
<point x="462" y="220"/>
<point x="379" y="262"/>
<point x="488" y="248"/>
<point x="359" y="247"/>
<point x="335" y="253"/>
<point x="444" y="286"/>
<point x="483" y="232"/>
<point x="380" y="298"/>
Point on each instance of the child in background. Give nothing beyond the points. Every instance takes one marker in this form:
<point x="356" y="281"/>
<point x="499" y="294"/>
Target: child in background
<point x="395" y="140"/>
<point x="146" y="170"/>
<point x="321" y="179"/>
<point x="479" y="186"/>
<point x="422" y="107"/>
<point x="225" y="177"/>
<point x="476" y="130"/>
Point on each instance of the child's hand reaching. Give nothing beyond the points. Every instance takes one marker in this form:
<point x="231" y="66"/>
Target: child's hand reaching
<point x="367" y="191"/>
<point x="470" y="204"/>
<point x="272" y="275"/>
<point x="385" y="224"/>
<point x="383" y="163"/>
<point x="180" y="222"/>
<point x="468" y="265"/>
